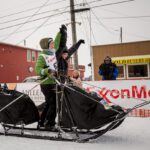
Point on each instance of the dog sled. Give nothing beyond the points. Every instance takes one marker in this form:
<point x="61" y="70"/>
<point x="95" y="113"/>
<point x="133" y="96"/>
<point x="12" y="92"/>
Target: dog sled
<point x="81" y="116"/>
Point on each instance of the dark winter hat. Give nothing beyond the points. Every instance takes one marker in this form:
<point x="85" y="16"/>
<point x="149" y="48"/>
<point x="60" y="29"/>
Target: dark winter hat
<point x="44" y="43"/>
<point x="107" y="58"/>
<point x="65" y="50"/>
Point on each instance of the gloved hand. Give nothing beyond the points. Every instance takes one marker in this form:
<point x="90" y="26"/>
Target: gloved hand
<point x="82" y="41"/>
<point x="52" y="72"/>
<point x="63" y="29"/>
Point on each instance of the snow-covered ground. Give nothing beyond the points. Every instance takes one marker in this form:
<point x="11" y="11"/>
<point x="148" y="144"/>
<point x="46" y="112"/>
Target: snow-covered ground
<point x="133" y="134"/>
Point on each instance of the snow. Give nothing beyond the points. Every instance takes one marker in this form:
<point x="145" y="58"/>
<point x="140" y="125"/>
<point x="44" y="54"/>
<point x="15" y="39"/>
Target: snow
<point x="133" y="134"/>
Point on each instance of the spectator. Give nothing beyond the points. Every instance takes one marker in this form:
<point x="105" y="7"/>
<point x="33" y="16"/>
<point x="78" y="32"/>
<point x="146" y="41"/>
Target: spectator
<point x="108" y="70"/>
<point x="75" y="79"/>
<point x="5" y="88"/>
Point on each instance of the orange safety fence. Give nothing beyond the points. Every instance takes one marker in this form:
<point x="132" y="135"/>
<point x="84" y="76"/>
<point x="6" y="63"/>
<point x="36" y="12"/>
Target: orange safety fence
<point x="140" y="113"/>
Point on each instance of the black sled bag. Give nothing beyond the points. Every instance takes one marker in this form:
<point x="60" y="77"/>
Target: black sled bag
<point x="23" y="110"/>
<point x="84" y="111"/>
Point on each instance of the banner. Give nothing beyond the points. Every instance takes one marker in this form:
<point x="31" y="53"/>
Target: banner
<point x="125" y="93"/>
<point x="35" y="94"/>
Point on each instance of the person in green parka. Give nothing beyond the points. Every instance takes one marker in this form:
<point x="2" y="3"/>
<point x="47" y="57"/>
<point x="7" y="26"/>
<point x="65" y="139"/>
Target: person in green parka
<point x="48" y="65"/>
<point x="46" y="68"/>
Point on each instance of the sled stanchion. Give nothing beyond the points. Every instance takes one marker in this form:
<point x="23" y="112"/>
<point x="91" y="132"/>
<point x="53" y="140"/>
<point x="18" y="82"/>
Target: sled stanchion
<point x="5" y="129"/>
<point x="58" y="112"/>
<point x="74" y="128"/>
<point x="59" y="100"/>
<point x="22" y="128"/>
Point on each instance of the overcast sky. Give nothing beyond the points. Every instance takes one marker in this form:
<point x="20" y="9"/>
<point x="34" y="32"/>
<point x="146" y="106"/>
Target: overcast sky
<point x="32" y="20"/>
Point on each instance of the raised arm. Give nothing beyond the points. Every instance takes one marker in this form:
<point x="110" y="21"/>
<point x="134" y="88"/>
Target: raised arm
<point x="60" y="41"/>
<point x="74" y="48"/>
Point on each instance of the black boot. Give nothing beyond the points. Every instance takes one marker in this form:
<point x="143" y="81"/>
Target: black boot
<point x="50" y="127"/>
<point x="40" y="124"/>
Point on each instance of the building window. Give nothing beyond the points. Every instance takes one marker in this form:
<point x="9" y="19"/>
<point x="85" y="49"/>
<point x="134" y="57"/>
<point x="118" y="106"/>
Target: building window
<point x="33" y="56"/>
<point x="121" y="70"/>
<point x="28" y="55"/>
<point x="138" y="70"/>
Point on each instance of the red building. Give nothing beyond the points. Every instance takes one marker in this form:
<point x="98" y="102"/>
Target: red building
<point x="17" y="63"/>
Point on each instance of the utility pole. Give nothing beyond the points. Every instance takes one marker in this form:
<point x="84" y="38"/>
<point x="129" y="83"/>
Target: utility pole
<point x="24" y="42"/>
<point x="73" y="27"/>
<point x="120" y="34"/>
<point x="74" y="37"/>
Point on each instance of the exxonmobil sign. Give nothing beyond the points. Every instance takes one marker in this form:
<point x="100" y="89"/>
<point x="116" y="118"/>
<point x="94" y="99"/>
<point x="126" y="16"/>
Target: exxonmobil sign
<point x="124" y="92"/>
<point x="140" y="92"/>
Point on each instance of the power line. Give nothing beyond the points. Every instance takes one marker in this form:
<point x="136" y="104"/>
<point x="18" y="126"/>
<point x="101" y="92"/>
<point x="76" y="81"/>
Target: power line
<point x="102" y="24"/>
<point x="53" y="3"/>
<point x="86" y="35"/>
<point x="33" y="31"/>
<point x="25" y="21"/>
<point x="9" y="21"/>
<point x="136" y="35"/>
<point x="41" y="12"/>
<point x="27" y="10"/>
<point x="4" y="22"/>
<point x="109" y="4"/>
<point x="139" y="36"/>
<point x="89" y="20"/>
<point x="127" y="17"/>
<point x="30" y="16"/>
<point x="49" y="16"/>
<point x="23" y="4"/>
<point x="83" y="4"/>
<point x="33" y="20"/>
<point x="36" y="27"/>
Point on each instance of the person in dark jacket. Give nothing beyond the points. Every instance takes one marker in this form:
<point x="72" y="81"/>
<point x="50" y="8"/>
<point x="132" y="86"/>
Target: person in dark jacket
<point x="108" y="70"/>
<point x="63" y="53"/>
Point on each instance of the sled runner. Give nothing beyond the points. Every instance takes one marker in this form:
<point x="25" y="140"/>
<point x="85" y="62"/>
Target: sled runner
<point x="80" y="115"/>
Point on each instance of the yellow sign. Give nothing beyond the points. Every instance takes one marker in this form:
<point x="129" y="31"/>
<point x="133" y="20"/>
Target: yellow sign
<point x="132" y="61"/>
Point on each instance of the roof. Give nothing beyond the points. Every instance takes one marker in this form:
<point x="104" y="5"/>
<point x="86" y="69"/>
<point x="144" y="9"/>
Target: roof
<point x="147" y="41"/>
<point x="23" y="47"/>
